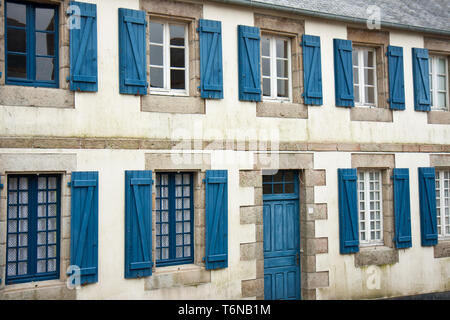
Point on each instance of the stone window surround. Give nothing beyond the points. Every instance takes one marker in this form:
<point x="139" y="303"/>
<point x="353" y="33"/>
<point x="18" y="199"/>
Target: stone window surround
<point x="62" y="97"/>
<point x="63" y="164"/>
<point x="292" y="29"/>
<point x="187" y="274"/>
<point x="253" y="214"/>
<point x="387" y="253"/>
<point x="379" y="40"/>
<point x="188" y="13"/>
<point x="439" y="47"/>
<point x="440" y="162"/>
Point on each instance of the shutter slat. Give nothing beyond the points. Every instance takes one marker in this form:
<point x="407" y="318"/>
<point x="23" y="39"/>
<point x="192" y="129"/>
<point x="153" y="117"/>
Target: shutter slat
<point x="343" y="73"/>
<point x="396" y="78"/>
<point x="421" y="80"/>
<point x="428" y="214"/>
<point x="132" y="52"/>
<point x="312" y="75"/>
<point x="211" y="78"/>
<point x="216" y="210"/>
<point x="249" y="63"/>
<point x="402" y="208"/>
<point x="83" y="49"/>
<point x="84" y="225"/>
<point x="348" y="211"/>
<point x="138" y="224"/>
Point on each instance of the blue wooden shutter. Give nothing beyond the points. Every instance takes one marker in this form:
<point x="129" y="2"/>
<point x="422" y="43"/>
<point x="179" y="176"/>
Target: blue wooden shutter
<point x="216" y="211"/>
<point x="428" y="214"/>
<point x="312" y="65"/>
<point x="84" y="225"/>
<point x="83" y="49"/>
<point x="138" y="224"/>
<point x="348" y="211"/>
<point x="1" y="187"/>
<point x="396" y="78"/>
<point x="132" y="52"/>
<point x="421" y="79"/>
<point x="249" y="64"/>
<point x="211" y="78"/>
<point x="343" y="73"/>
<point x="402" y="208"/>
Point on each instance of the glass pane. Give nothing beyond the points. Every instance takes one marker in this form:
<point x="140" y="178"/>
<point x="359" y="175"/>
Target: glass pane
<point x="368" y="58"/>
<point x="441" y="83"/>
<point x="17" y="66"/>
<point x="369" y="75"/>
<point x="441" y="100"/>
<point x="355" y="57"/>
<point x="266" y="87"/>
<point x="156" y="77"/>
<point x="267" y="188"/>
<point x="156" y="55"/>
<point x="45" y="70"/>
<point x="266" y="67"/>
<point x="289" y="188"/>
<point x="156" y="32"/>
<point x="282" y="88"/>
<point x="52" y="183"/>
<point x="281" y="48"/>
<point x="177" y="79"/>
<point x="177" y="57"/>
<point x="45" y="44"/>
<point x="278" y="188"/>
<point x="17" y="40"/>
<point x="17" y="14"/>
<point x="176" y="35"/>
<point x="282" y="69"/>
<point x="441" y="66"/>
<point x="355" y="75"/>
<point x="370" y="95"/>
<point x="45" y="19"/>
<point x="265" y="45"/>
<point x="356" y="93"/>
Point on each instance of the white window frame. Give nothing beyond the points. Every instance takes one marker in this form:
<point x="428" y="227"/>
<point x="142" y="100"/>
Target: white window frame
<point x="443" y="218"/>
<point x="273" y="70"/>
<point x="167" y="90"/>
<point x="366" y="222"/>
<point x="433" y="82"/>
<point x="361" y="77"/>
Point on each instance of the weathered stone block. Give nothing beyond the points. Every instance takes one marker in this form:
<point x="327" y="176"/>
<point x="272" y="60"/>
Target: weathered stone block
<point x="376" y="256"/>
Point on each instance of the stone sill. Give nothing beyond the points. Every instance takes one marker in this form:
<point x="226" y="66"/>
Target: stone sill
<point x="371" y="114"/>
<point x="281" y="110"/>
<point x="41" y="290"/>
<point x="177" y="276"/>
<point x="442" y="249"/>
<point x="172" y="104"/>
<point x="438" y="117"/>
<point x="376" y="256"/>
<point x="22" y="96"/>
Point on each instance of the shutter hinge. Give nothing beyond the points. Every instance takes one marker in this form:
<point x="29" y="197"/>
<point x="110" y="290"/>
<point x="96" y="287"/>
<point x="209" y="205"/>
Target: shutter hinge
<point x="204" y="180"/>
<point x="204" y="259"/>
<point x="68" y="78"/>
<point x="197" y="29"/>
<point x="69" y="184"/>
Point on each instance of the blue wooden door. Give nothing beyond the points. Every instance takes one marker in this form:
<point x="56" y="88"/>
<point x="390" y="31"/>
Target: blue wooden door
<point x="281" y="236"/>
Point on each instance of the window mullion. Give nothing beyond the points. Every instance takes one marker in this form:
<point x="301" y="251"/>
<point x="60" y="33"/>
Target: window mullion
<point x="166" y="58"/>
<point x="32" y="224"/>
<point x="273" y="68"/>
<point x="172" y="217"/>
<point x="362" y="80"/>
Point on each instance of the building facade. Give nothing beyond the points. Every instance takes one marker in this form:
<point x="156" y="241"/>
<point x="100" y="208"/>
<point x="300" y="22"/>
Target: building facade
<point x="157" y="149"/>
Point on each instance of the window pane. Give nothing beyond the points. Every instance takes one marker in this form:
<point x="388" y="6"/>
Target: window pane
<point x="266" y="67"/>
<point x="17" y="14"/>
<point x="370" y="94"/>
<point x="44" y="69"/>
<point x="368" y="58"/>
<point x="156" y="55"/>
<point x="156" y="32"/>
<point x="369" y="75"/>
<point x="156" y="77"/>
<point x="17" y="66"/>
<point x="176" y="35"/>
<point x="281" y="48"/>
<point x="282" y="69"/>
<point x="177" y="57"/>
<point x="266" y="87"/>
<point x="441" y="83"/>
<point x="282" y="88"/>
<point x="441" y="100"/>
<point x="45" y="19"/>
<point x="441" y="66"/>
<point x="355" y="57"/>
<point x="355" y="76"/>
<point x="177" y="79"/>
<point x="265" y="45"/>
<point x="45" y="44"/>
<point x="17" y="40"/>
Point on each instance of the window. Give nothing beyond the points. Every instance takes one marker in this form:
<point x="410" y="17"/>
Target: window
<point x="33" y="228"/>
<point x="443" y="203"/>
<point x="31" y="44"/>
<point x="174" y="218"/>
<point x="364" y="76"/>
<point x="370" y="209"/>
<point x="438" y="82"/>
<point x="283" y="182"/>
<point x="276" y="66"/>
<point x="168" y="58"/>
